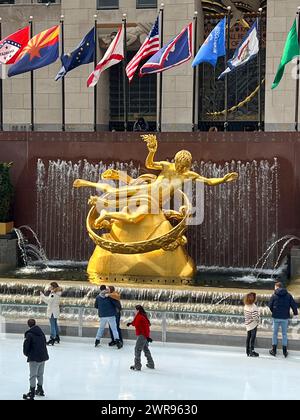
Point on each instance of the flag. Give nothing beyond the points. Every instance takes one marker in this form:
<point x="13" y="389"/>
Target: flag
<point x="150" y="46"/>
<point x="213" y="47"/>
<point x="40" y="51"/>
<point x="291" y="50"/>
<point x="12" y="46"/>
<point x="83" y="54"/>
<point x="176" y="52"/>
<point x="247" y="50"/>
<point x="113" y="55"/>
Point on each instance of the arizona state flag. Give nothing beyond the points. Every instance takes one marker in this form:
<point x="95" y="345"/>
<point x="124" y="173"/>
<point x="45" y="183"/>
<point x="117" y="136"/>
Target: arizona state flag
<point x="41" y="50"/>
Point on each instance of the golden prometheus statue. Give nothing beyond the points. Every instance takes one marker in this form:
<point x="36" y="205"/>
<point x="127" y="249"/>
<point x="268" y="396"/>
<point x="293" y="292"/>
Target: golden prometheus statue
<point x="137" y="237"/>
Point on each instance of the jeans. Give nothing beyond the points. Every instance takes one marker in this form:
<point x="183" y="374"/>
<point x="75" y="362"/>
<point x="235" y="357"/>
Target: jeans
<point x="36" y="372"/>
<point x="284" y="324"/>
<point x="118" y="318"/>
<point x="111" y="321"/>
<point x="54" y="331"/>
<point x="251" y="337"/>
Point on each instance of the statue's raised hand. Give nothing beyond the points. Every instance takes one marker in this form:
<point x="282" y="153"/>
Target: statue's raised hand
<point x="233" y="176"/>
<point x="151" y="141"/>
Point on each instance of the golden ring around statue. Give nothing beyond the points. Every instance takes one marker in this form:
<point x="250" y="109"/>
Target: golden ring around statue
<point x="161" y="242"/>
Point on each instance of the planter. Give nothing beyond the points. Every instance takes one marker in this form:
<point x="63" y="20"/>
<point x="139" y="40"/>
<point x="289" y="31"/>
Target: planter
<point x="6" y="228"/>
<point x="8" y="253"/>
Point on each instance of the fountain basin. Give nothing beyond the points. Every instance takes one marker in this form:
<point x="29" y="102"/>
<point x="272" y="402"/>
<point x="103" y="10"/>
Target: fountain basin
<point x="220" y="277"/>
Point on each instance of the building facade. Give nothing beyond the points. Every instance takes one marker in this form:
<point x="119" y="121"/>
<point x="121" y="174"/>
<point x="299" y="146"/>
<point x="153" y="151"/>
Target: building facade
<point x="177" y="104"/>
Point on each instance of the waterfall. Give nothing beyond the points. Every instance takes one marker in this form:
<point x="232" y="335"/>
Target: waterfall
<point x="240" y="222"/>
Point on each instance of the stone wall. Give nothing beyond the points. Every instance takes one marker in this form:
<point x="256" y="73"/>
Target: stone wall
<point x="280" y="103"/>
<point x="79" y="19"/>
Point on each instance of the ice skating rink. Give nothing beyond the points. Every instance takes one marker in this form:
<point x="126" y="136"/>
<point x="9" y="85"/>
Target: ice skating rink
<point x="77" y="370"/>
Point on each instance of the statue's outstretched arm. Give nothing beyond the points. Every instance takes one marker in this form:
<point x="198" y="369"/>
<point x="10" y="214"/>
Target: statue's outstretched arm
<point x="79" y="183"/>
<point x="214" y="181"/>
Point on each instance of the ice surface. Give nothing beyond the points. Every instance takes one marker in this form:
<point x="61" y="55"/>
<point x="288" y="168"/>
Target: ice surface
<point x="77" y="370"/>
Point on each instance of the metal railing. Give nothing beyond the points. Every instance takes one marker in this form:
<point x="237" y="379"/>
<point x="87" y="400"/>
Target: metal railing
<point x="163" y="322"/>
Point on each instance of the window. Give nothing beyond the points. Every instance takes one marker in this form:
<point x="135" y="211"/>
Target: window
<point x="142" y="98"/>
<point x="242" y="85"/>
<point x="107" y="4"/>
<point x="146" y="4"/>
<point x="7" y="1"/>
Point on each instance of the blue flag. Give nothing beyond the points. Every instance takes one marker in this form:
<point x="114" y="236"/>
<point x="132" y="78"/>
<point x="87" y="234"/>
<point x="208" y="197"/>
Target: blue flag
<point x="83" y="54"/>
<point x="176" y="52"/>
<point x="213" y="47"/>
<point x="40" y="51"/>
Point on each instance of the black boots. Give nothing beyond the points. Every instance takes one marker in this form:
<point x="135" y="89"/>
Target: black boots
<point x="39" y="391"/>
<point x="30" y="395"/>
<point x="57" y="339"/>
<point x="252" y="353"/>
<point x="119" y="344"/>
<point x="150" y="366"/>
<point x="51" y="342"/>
<point x="285" y="352"/>
<point x="273" y="352"/>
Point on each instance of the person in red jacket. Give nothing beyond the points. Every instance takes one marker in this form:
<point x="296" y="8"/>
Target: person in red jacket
<point x="142" y="330"/>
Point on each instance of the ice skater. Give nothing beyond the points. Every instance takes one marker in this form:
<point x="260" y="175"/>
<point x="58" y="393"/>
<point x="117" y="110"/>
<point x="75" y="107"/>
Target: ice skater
<point x="117" y="301"/>
<point x="107" y="313"/>
<point x="280" y="305"/>
<point x="251" y="321"/>
<point x="53" y="311"/>
<point x="35" y="349"/>
<point x="142" y="330"/>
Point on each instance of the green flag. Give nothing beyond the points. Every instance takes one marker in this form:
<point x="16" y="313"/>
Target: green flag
<point x="291" y="50"/>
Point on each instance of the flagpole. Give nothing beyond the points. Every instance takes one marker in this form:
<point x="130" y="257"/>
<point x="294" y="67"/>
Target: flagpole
<point x="1" y="87"/>
<point x="95" y="63"/>
<point x="226" y="75"/>
<point x="159" y="123"/>
<point x="298" y="78"/>
<point x="260" y="119"/>
<point x="195" y="69"/>
<point x="63" y="90"/>
<point x="31" y="80"/>
<point x="125" y="85"/>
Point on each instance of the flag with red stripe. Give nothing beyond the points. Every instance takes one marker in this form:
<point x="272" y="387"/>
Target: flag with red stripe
<point x="12" y="46"/>
<point x="150" y="46"/>
<point x="113" y="55"/>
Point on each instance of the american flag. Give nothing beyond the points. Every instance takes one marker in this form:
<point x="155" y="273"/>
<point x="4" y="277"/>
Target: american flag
<point x="150" y="46"/>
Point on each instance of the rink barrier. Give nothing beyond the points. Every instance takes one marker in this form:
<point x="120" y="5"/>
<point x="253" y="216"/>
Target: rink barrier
<point x="167" y="326"/>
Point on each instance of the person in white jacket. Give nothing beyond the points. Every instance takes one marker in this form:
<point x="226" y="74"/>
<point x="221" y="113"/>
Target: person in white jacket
<point x="53" y="311"/>
<point x="252" y="320"/>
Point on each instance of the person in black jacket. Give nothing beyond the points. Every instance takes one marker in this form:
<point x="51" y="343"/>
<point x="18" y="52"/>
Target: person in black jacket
<point x="107" y="313"/>
<point x="280" y="305"/>
<point x="35" y="349"/>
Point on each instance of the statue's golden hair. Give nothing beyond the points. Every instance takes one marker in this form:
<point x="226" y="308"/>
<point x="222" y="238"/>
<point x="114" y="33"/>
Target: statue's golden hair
<point x="183" y="159"/>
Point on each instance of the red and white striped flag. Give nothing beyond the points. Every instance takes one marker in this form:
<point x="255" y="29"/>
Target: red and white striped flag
<point x="150" y="46"/>
<point x="113" y="55"/>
